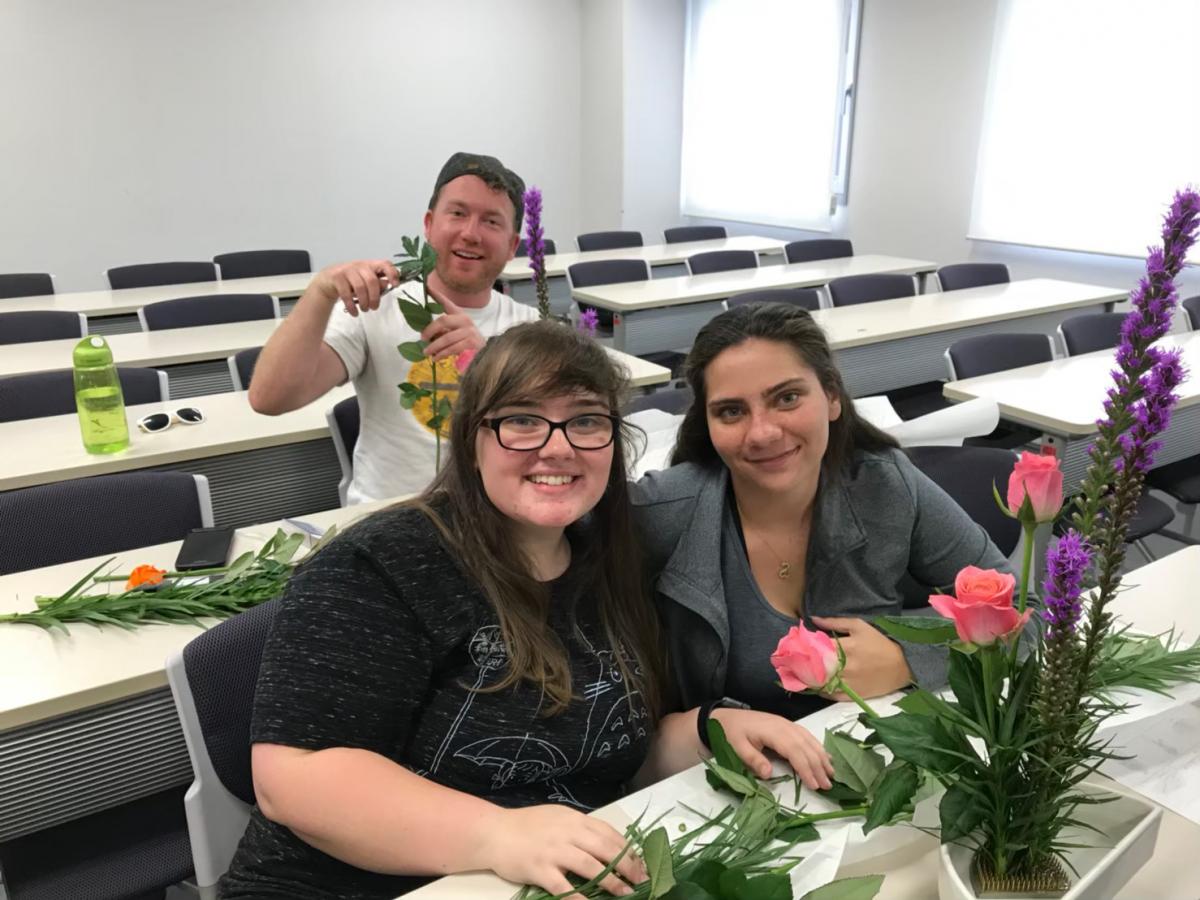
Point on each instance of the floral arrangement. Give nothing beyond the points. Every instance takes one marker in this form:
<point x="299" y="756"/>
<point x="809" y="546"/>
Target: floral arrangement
<point x="1017" y="737"/>
<point x="156" y="596"/>
<point x="535" y="244"/>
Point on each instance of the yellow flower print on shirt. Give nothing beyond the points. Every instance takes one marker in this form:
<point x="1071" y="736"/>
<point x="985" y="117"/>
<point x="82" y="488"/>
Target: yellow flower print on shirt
<point x="420" y="374"/>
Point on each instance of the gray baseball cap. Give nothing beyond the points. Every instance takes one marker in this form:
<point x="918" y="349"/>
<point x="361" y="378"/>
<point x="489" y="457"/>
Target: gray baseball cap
<point x="494" y="174"/>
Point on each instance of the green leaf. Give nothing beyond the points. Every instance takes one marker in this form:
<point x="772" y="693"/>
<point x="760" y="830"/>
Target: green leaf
<point x="408" y="401"/>
<point x="239" y="565"/>
<point x="731" y="883"/>
<point x="917" y="629"/>
<point x="863" y="887"/>
<point x="688" y="891"/>
<point x="720" y="777"/>
<point x="844" y="795"/>
<point x="766" y="887"/>
<point x="892" y="794"/>
<point x="723" y="751"/>
<point x="960" y="813"/>
<point x="800" y="833"/>
<point x="966" y="681"/>
<point x="656" y="854"/>
<point x="920" y="703"/>
<point x="1017" y="704"/>
<point x="435" y="422"/>
<point x="287" y="548"/>
<point x="409" y="245"/>
<point x="436" y="308"/>
<point x="445" y="407"/>
<point x="852" y="764"/>
<point x="416" y="315"/>
<point x="413" y="351"/>
<point x="924" y="742"/>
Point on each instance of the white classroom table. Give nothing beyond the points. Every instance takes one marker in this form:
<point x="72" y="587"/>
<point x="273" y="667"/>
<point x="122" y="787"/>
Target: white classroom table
<point x="653" y="254"/>
<point x="1065" y="397"/>
<point x="259" y="467"/>
<point x="115" y="311"/>
<point x="195" y="359"/>
<point x="908" y="858"/>
<point x="665" y="313"/>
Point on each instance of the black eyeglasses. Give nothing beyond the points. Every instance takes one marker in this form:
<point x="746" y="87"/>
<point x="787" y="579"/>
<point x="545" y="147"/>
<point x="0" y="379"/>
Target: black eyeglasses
<point x="525" y="431"/>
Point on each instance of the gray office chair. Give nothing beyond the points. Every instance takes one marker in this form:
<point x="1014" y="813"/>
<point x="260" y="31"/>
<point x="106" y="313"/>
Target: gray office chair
<point x="606" y="271"/>
<point x="39" y="394"/>
<point x="960" y="471"/>
<point x="988" y="353"/>
<point x="523" y="249"/>
<point x="241" y="367"/>
<point x="1090" y="332"/>
<point x="684" y="233"/>
<point x="344" y="423"/>
<point x="153" y="274"/>
<point x="257" y="263"/>
<point x="609" y="240"/>
<point x="41" y="325"/>
<point x="213" y="681"/>
<point x="1191" y="306"/>
<point x="869" y="288"/>
<point x="674" y="400"/>
<point x="805" y="298"/>
<point x="209" y="309"/>
<point x="721" y="261"/>
<point x="26" y="284"/>
<point x="66" y="520"/>
<point x="968" y="275"/>
<point x="822" y="248"/>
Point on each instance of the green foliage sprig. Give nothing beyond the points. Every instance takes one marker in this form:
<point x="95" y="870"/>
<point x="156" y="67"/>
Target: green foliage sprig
<point x="181" y="598"/>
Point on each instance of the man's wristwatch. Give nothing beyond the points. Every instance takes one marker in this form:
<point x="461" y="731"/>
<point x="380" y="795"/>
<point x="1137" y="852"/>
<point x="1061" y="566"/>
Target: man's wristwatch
<point x="705" y="711"/>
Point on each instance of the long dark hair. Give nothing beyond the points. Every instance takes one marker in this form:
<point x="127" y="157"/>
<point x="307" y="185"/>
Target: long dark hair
<point x="785" y="324"/>
<point x="547" y="359"/>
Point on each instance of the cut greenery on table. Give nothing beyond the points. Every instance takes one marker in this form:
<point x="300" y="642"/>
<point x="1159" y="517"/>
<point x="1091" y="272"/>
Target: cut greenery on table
<point x="743" y="851"/>
<point x="173" y="597"/>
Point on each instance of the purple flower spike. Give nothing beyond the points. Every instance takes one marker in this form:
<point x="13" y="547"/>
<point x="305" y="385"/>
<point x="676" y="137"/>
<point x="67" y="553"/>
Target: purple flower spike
<point x="535" y="244"/>
<point x="589" y="321"/>
<point x="1066" y="562"/>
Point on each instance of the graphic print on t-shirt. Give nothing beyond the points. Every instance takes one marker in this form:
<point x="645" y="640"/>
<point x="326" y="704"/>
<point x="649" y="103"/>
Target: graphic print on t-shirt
<point x="615" y="719"/>
<point x="421" y="375"/>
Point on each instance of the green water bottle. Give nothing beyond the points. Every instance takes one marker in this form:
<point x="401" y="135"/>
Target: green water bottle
<point x="98" y="397"/>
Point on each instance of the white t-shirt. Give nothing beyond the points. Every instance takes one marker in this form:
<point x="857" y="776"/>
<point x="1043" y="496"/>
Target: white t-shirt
<point x="395" y="450"/>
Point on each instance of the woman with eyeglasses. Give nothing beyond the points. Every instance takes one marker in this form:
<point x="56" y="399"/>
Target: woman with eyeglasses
<point x="782" y="505"/>
<point x="453" y="682"/>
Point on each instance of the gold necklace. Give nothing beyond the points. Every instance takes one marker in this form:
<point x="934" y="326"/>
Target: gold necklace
<point x="784" y="572"/>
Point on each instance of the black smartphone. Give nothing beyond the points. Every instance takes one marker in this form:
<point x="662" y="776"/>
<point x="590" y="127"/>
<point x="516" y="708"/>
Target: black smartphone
<point x="204" y="548"/>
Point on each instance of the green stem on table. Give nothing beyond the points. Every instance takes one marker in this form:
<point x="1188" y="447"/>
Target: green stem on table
<point x="853" y="695"/>
<point x="193" y="573"/>
<point x="848" y="813"/>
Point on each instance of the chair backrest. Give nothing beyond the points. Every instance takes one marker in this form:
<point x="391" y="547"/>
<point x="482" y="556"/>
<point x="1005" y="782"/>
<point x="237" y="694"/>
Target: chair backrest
<point x="869" y="288"/>
<point x="26" y="284"/>
<point x="685" y="233"/>
<point x="1091" y="331"/>
<point x="674" y="400"/>
<point x="241" y="367"/>
<point x="344" y="423"/>
<point x="83" y="517"/>
<point x="988" y="353"/>
<point x="823" y="248"/>
<point x="968" y="275"/>
<point x="523" y="249"/>
<point x="606" y="271"/>
<point x="213" y="681"/>
<point x="153" y="274"/>
<point x="805" y="298"/>
<point x="41" y="325"/>
<point x="960" y="471"/>
<point x="721" y="261"/>
<point x="1191" y="306"/>
<point x="256" y="263"/>
<point x="208" y="309"/>
<point x="609" y="240"/>
<point x="39" y="394"/>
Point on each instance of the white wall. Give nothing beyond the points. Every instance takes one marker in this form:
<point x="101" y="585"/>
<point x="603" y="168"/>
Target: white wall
<point x="601" y="173"/>
<point x="140" y="130"/>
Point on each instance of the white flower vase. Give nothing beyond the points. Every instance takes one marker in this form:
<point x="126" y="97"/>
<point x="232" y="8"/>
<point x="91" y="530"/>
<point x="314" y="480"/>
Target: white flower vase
<point x="1126" y="831"/>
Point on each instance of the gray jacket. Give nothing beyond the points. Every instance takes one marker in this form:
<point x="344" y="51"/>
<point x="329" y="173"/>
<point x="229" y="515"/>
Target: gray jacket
<point x="880" y="533"/>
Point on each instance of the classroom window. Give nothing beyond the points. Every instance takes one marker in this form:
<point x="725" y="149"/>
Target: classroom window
<point x="1088" y="127"/>
<point x="768" y="104"/>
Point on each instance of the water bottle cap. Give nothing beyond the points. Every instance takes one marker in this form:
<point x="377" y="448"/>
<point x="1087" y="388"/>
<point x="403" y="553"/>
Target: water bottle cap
<point x="92" y="351"/>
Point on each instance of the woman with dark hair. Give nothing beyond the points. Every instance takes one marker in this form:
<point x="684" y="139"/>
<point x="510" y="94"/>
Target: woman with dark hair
<point x="783" y="505"/>
<point x="451" y="683"/>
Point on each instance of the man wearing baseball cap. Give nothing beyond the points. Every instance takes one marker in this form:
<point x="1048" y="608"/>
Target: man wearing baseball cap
<point x="347" y="324"/>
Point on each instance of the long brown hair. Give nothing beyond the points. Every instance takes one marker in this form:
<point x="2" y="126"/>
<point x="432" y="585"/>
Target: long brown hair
<point x="547" y="359"/>
<point x="785" y="324"/>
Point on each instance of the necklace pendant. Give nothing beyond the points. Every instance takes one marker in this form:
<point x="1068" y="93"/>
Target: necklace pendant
<point x="785" y="571"/>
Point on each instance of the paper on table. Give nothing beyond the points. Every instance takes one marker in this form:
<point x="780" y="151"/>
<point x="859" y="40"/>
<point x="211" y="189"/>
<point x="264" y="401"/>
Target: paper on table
<point x="660" y="428"/>
<point x="1165" y="759"/>
<point x="948" y="427"/>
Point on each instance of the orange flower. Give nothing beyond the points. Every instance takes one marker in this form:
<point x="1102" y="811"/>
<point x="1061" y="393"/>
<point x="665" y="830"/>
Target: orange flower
<point x="144" y="575"/>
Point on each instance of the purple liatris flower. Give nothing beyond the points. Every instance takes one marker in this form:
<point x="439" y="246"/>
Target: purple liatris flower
<point x="1066" y="562"/>
<point x="535" y="245"/>
<point x="589" y="321"/>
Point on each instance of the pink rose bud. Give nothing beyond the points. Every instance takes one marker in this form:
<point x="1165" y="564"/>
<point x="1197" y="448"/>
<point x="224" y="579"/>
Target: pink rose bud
<point x="805" y="659"/>
<point x="463" y="360"/>
<point x="983" y="609"/>
<point x="1038" y="477"/>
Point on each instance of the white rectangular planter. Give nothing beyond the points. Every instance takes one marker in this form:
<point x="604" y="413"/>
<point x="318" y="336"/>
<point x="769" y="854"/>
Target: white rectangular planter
<point x="1127" y="831"/>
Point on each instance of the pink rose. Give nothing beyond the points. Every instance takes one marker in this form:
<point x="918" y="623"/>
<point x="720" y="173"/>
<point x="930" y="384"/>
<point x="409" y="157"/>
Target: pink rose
<point x="805" y="659"/>
<point x="1037" y="476"/>
<point x="983" y="608"/>
<point x="463" y="360"/>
